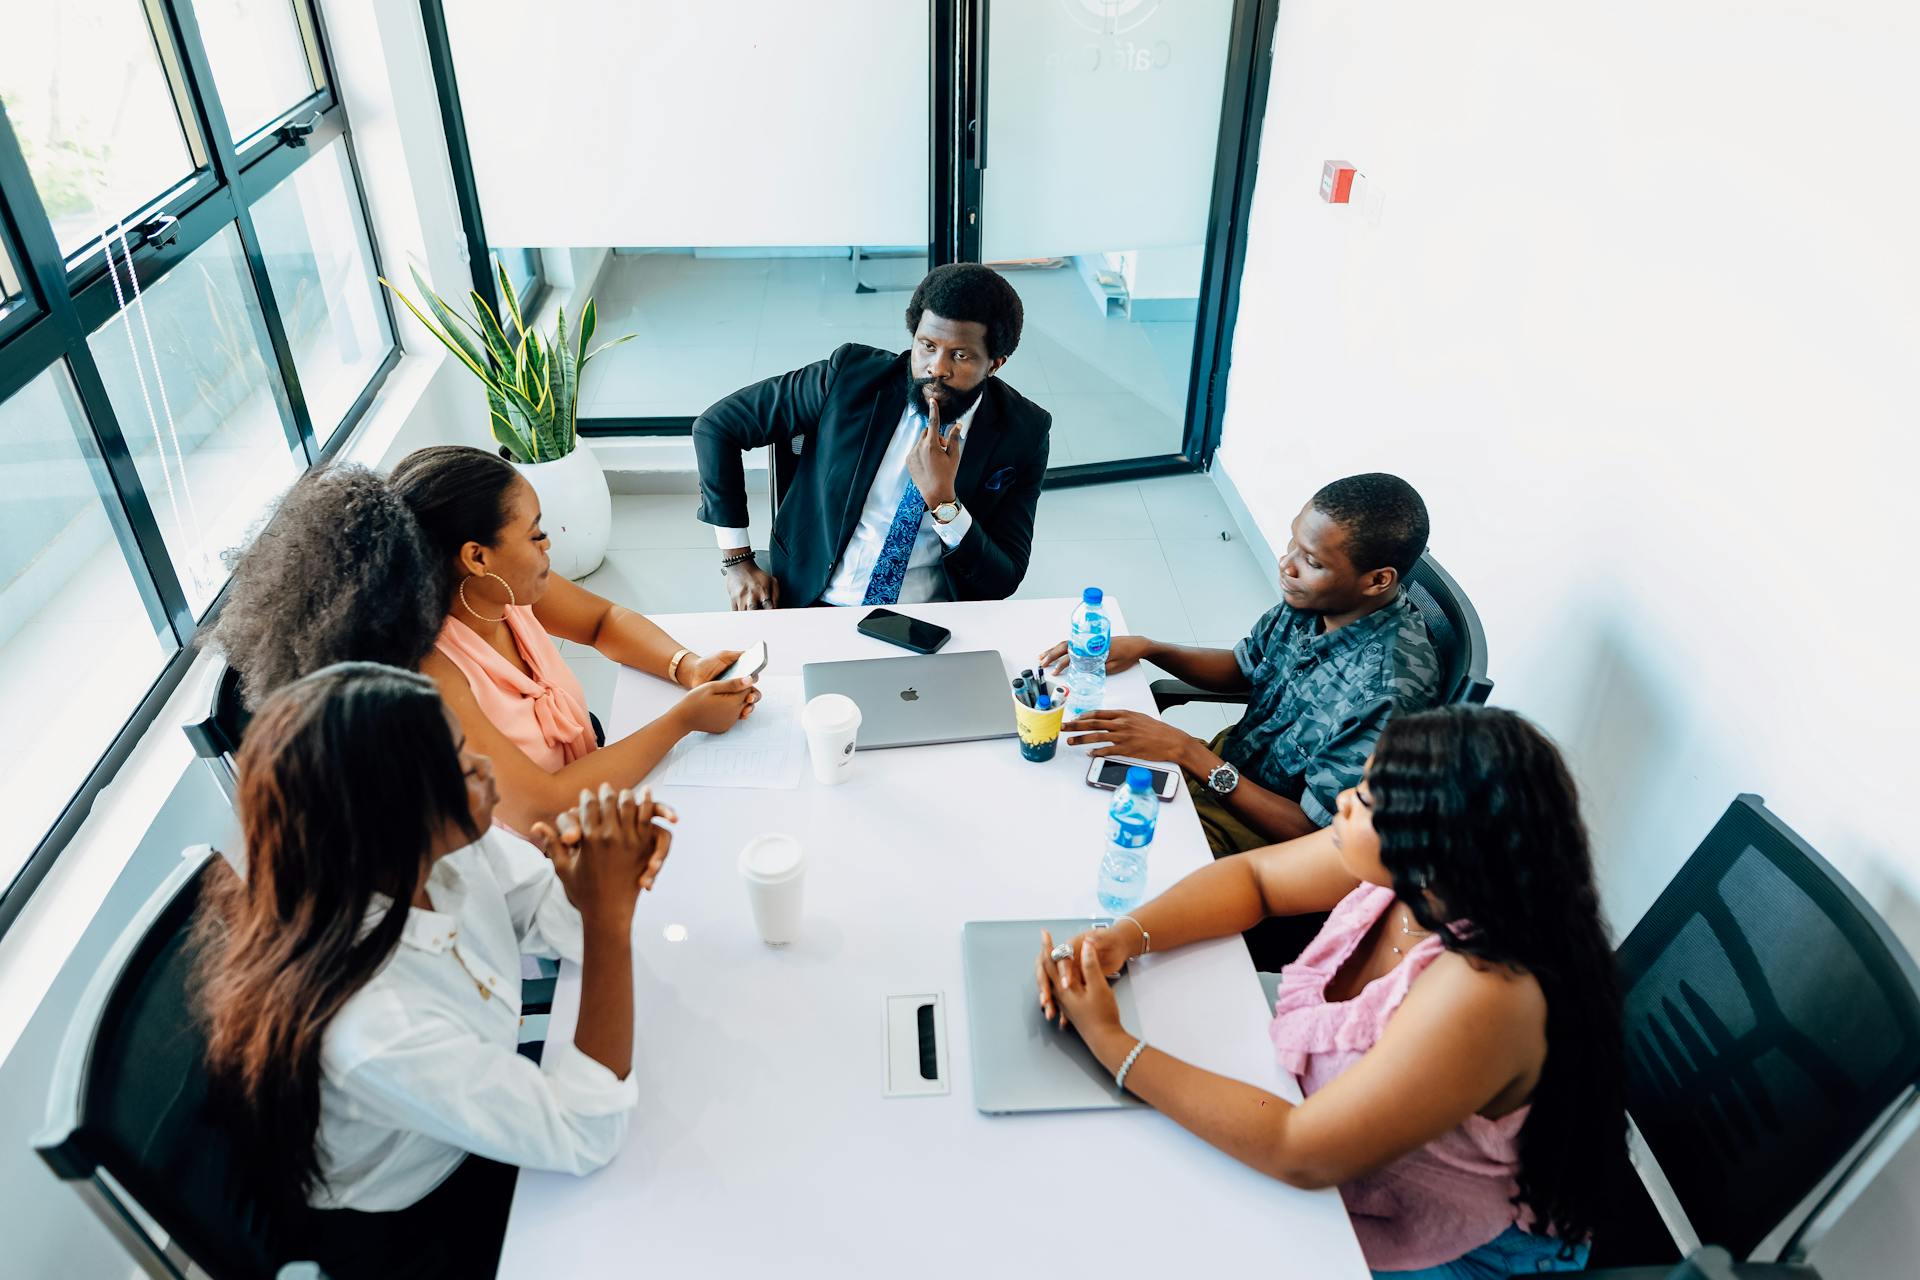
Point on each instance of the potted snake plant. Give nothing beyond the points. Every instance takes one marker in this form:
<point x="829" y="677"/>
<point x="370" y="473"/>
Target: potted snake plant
<point x="533" y="398"/>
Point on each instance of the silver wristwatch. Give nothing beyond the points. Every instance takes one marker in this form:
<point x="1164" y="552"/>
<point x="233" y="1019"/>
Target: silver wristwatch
<point x="946" y="513"/>
<point x="1223" y="780"/>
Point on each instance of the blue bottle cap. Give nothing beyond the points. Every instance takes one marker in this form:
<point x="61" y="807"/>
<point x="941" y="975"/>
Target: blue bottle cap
<point x="1045" y="703"/>
<point x="1139" y="778"/>
<point x="1091" y="596"/>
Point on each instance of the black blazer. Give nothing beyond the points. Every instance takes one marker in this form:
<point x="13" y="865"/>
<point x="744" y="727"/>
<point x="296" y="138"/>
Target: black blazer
<point x="835" y="418"/>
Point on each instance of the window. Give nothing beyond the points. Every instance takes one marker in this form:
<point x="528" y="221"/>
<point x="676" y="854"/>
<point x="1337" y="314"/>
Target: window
<point x="228" y="340"/>
<point x="321" y="264"/>
<point x="185" y="375"/>
<point x="259" y="59"/>
<point x="78" y="648"/>
<point x="92" y="113"/>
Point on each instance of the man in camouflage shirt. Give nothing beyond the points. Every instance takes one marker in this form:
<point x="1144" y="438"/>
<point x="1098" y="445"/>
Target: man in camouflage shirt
<point x="1344" y="650"/>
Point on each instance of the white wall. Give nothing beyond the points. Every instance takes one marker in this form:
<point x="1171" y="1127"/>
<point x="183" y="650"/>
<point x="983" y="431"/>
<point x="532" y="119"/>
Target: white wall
<point x="1638" y="315"/>
<point x="663" y="122"/>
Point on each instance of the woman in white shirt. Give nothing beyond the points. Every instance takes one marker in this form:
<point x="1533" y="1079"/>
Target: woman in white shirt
<point x="360" y="987"/>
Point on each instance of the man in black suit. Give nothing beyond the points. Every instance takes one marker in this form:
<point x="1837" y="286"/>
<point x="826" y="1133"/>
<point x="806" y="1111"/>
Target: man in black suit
<point x="916" y="474"/>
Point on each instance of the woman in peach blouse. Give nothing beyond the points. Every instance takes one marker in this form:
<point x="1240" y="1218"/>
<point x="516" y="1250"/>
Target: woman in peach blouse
<point x="495" y="660"/>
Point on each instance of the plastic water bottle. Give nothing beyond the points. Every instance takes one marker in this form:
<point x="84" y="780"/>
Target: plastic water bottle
<point x="1088" y="635"/>
<point x="1130" y="821"/>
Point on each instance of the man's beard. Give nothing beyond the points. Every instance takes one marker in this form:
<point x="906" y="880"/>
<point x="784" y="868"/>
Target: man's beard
<point x="952" y="405"/>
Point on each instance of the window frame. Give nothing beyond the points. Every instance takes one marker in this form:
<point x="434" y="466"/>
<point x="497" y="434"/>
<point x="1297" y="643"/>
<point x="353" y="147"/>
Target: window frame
<point x="18" y="308"/>
<point x="64" y="299"/>
<point x="536" y="288"/>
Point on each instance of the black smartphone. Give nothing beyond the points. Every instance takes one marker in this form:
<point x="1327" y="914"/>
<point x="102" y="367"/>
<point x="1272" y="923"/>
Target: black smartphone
<point x="908" y="633"/>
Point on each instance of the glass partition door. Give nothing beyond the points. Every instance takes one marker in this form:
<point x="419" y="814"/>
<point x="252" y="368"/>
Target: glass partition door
<point x="1101" y="123"/>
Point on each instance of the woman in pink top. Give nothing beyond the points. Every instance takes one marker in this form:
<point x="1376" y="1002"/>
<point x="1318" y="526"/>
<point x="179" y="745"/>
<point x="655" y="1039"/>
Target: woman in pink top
<point x="495" y="660"/>
<point x="1455" y="1027"/>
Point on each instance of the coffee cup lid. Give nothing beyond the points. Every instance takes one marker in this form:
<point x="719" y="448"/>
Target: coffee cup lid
<point x="771" y="858"/>
<point x="830" y="711"/>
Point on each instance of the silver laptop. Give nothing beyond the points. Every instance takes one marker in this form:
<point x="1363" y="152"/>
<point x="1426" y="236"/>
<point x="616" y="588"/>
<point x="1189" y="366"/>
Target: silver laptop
<point x="1022" y="1062"/>
<point x="922" y="699"/>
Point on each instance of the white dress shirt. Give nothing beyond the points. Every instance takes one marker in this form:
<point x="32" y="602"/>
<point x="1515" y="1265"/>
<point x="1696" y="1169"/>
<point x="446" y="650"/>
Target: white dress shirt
<point x="418" y="1068"/>
<point x="924" y="578"/>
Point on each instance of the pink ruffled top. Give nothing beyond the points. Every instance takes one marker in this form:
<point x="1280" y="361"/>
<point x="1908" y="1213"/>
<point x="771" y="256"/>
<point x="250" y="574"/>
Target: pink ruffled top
<point x="1452" y="1195"/>
<point x="545" y="715"/>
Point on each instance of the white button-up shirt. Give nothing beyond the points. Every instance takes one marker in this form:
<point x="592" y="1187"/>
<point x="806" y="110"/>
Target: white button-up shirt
<point x="418" y="1068"/>
<point x="924" y="578"/>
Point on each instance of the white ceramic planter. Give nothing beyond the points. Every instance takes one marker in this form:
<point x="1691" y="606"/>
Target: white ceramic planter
<point x="575" y="509"/>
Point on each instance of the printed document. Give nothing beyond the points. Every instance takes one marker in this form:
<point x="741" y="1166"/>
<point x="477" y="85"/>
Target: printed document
<point x="765" y="751"/>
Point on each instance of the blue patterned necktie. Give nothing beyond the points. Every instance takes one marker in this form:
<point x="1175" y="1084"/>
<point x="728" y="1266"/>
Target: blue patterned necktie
<point x="890" y="569"/>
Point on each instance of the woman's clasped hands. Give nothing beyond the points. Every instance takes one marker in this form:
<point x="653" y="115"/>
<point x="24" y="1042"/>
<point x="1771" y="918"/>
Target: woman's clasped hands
<point x="609" y="849"/>
<point x="1075" y="988"/>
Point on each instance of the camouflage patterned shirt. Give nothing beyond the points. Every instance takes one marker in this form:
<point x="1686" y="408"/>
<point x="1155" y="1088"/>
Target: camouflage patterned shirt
<point x="1320" y="700"/>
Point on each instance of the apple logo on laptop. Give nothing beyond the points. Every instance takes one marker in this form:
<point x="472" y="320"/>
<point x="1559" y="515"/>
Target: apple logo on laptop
<point x="909" y="694"/>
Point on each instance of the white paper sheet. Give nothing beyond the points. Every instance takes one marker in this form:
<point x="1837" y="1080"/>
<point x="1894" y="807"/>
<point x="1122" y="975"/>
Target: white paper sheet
<point x="766" y="751"/>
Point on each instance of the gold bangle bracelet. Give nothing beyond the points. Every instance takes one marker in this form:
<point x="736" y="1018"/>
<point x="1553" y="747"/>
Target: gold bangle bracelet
<point x="673" y="666"/>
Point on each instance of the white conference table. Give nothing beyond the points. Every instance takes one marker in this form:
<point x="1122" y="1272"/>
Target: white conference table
<point x="763" y="1141"/>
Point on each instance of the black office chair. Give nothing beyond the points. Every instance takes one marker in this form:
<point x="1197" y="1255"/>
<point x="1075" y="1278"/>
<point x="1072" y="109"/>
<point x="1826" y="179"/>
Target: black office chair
<point x="1773" y="1040"/>
<point x="1452" y="625"/>
<point x="216" y="738"/>
<point x="128" y="1120"/>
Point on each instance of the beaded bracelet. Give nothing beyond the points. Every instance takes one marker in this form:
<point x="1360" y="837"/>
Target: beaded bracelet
<point x="1120" y="1076"/>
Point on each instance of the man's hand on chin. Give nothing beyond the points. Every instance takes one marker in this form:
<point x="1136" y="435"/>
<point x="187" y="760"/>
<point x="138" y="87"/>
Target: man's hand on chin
<point x="934" y="460"/>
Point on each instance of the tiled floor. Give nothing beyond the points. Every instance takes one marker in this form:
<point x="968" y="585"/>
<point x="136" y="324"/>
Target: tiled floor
<point x="1125" y="538"/>
<point x="708" y="326"/>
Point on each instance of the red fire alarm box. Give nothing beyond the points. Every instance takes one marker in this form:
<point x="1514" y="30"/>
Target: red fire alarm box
<point x="1336" y="182"/>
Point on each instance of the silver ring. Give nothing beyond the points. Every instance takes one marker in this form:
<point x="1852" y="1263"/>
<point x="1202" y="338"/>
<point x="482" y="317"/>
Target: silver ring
<point x="1062" y="951"/>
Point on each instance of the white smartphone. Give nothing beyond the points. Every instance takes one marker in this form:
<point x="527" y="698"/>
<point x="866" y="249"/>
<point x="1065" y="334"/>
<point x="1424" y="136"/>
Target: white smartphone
<point x="750" y="663"/>
<point x="1109" y="772"/>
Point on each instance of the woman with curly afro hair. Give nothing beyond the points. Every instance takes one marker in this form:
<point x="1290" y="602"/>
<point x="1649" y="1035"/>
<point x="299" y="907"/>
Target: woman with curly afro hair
<point x="495" y="660"/>
<point x="1455" y="1026"/>
<point x="340" y="573"/>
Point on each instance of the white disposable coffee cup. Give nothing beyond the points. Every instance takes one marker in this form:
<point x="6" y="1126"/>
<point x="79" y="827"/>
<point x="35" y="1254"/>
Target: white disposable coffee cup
<point x="774" y="868"/>
<point x="832" y="722"/>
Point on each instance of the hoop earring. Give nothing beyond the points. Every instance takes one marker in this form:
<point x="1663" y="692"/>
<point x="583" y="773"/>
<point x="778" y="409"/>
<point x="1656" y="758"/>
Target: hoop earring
<point x="475" y="612"/>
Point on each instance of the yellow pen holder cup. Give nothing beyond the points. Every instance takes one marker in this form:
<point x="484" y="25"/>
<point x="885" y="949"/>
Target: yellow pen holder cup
<point x="1039" y="730"/>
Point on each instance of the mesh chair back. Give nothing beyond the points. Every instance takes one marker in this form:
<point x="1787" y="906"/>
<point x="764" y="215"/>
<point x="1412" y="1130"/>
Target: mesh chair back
<point x="216" y="739"/>
<point x="1454" y="627"/>
<point x="130" y="1099"/>
<point x="1771" y="1019"/>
